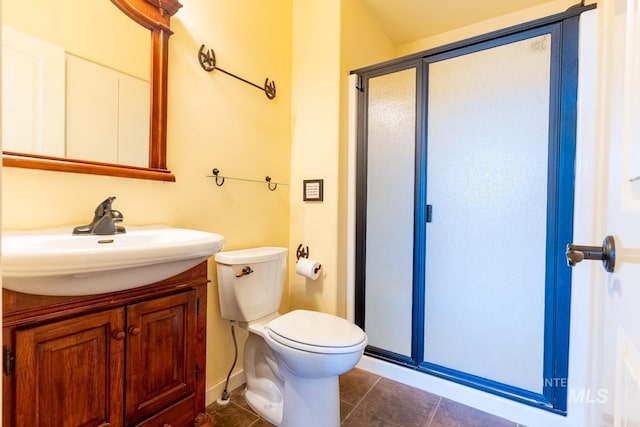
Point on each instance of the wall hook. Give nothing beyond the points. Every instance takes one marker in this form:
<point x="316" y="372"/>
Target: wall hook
<point x="302" y="252"/>
<point x="216" y="172"/>
<point x="268" y="179"/>
<point x="207" y="59"/>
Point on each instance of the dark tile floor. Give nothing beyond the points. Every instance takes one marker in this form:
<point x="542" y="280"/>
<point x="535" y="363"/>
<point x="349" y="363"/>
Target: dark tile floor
<point x="368" y="400"/>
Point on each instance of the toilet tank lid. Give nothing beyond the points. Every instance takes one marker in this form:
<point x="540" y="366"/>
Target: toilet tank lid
<point x="246" y="256"/>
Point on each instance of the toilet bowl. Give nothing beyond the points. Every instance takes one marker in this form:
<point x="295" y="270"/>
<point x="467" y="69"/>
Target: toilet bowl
<point x="291" y="361"/>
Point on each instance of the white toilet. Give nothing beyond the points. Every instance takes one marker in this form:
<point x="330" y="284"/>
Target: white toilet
<point x="291" y="361"/>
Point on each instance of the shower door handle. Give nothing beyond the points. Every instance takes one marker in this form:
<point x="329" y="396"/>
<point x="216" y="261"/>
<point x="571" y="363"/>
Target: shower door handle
<point x="605" y="253"/>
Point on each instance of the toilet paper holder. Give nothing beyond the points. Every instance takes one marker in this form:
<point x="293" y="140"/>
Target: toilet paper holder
<point x="302" y="252"/>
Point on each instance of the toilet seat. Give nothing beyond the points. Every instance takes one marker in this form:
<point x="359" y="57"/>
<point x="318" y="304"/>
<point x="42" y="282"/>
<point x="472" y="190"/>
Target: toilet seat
<point x="316" y="332"/>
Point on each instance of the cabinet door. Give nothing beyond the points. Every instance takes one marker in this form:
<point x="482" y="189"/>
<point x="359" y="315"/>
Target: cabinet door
<point x="160" y="367"/>
<point x="70" y="373"/>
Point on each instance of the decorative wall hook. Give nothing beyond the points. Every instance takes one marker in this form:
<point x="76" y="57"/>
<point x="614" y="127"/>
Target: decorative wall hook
<point x="216" y="172"/>
<point x="268" y="179"/>
<point x="302" y="252"/>
<point x="207" y="59"/>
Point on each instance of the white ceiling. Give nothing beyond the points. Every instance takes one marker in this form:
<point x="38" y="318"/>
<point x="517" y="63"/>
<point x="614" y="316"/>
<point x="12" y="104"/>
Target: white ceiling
<point x="406" y="21"/>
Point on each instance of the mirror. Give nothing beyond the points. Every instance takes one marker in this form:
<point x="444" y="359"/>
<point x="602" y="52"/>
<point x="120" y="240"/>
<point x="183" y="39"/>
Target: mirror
<point x="150" y="15"/>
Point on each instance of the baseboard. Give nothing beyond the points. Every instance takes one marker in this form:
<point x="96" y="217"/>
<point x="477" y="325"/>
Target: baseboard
<point x="214" y="392"/>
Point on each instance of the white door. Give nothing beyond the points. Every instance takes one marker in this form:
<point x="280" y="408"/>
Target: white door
<point x="615" y="310"/>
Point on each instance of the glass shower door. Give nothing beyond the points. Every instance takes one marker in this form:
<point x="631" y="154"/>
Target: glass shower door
<point x="487" y="173"/>
<point x="465" y="188"/>
<point x="390" y="210"/>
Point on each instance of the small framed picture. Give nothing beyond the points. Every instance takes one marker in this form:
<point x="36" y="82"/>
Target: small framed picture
<point x="312" y="190"/>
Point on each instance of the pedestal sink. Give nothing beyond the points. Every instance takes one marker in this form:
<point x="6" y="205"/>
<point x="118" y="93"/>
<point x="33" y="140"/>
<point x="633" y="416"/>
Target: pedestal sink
<point x="53" y="262"/>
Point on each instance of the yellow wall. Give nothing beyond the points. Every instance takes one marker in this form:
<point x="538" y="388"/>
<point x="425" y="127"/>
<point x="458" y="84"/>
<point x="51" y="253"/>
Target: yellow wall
<point x="330" y="37"/>
<point x="213" y="121"/>
<point x="314" y="146"/>
<point x="218" y="121"/>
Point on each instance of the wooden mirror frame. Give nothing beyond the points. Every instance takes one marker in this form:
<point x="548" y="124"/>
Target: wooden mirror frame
<point x="154" y="15"/>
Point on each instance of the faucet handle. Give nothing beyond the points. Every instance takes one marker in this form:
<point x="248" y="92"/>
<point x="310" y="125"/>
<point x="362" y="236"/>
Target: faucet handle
<point x="105" y="206"/>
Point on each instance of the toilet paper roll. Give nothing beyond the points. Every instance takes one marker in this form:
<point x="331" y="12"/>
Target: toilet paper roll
<point x="308" y="268"/>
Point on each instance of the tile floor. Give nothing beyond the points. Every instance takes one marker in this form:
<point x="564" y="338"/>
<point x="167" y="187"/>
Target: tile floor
<point x="368" y="400"/>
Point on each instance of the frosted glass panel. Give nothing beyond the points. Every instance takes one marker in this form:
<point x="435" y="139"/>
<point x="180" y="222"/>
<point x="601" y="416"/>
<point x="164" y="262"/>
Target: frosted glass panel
<point x="390" y="185"/>
<point x="487" y="181"/>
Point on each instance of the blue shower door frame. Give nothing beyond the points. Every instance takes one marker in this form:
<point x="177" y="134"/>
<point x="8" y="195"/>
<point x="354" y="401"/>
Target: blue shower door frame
<point x="560" y="197"/>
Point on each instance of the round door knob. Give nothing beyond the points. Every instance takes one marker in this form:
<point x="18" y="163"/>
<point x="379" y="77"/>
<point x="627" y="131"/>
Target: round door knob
<point x="134" y="330"/>
<point x="118" y="334"/>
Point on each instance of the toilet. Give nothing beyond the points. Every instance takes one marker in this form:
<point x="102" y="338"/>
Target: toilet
<point x="291" y="361"/>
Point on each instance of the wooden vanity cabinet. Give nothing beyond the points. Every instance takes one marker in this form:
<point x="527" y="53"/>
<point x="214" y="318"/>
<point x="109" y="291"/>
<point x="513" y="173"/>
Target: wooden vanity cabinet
<point x="158" y="364"/>
<point x="70" y="372"/>
<point x="131" y="358"/>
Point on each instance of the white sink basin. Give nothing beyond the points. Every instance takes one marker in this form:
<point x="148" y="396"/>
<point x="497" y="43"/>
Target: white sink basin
<point x="53" y="262"/>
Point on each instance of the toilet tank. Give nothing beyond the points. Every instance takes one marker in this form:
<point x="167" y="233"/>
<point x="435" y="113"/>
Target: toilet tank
<point x="250" y="282"/>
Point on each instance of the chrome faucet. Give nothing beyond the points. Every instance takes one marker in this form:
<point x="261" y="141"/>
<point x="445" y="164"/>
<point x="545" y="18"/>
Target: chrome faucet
<point x="104" y="221"/>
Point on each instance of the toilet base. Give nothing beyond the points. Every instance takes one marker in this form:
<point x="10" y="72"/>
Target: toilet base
<point x="311" y="402"/>
<point x="264" y="382"/>
<point x="268" y="410"/>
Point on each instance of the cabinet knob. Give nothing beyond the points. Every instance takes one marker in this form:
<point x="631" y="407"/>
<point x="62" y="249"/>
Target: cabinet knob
<point x="135" y="330"/>
<point x="118" y="334"/>
<point x="167" y="425"/>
